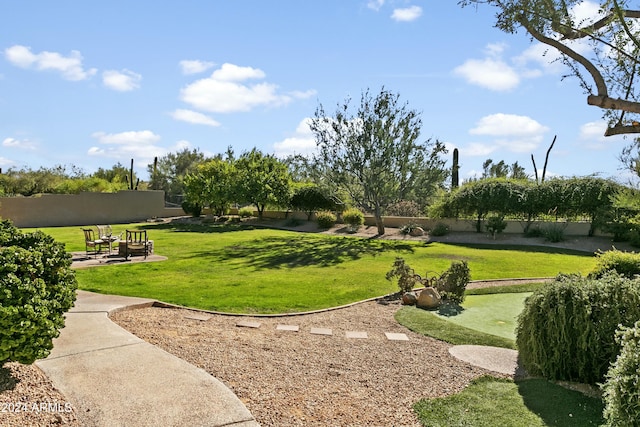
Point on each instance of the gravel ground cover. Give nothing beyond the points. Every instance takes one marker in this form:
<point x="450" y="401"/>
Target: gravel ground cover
<point x="300" y="379"/>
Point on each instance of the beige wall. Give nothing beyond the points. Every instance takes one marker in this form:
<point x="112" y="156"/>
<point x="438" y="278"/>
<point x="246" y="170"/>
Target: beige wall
<point x="52" y="210"/>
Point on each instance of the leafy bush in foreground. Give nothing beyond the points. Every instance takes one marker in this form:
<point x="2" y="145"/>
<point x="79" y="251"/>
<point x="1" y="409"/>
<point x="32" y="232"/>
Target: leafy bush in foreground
<point x="567" y="328"/>
<point x="37" y="286"/>
<point x="353" y="217"/>
<point x="622" y="389"/>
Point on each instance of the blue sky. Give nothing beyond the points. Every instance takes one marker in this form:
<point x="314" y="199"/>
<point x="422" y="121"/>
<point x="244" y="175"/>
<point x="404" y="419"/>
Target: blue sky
<point x="91" y="84"/>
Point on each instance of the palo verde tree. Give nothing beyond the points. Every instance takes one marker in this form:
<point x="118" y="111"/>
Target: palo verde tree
<point x="608" y="70"/>
<point x="262" y="180"/>
<point x="373" y="152"/>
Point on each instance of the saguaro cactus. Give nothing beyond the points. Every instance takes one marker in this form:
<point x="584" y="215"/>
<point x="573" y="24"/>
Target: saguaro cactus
<point x="454" y="170"/>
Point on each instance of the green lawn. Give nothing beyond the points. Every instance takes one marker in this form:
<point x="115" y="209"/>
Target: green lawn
<point x="241" y="270"/>
<point x="490" y="402"/>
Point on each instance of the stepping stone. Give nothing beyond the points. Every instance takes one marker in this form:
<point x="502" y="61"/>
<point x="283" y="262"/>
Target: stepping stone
<point x="292" y="328"/>
<point x="196" y="316"/>
<point x="248" y="324"/>
<point x="321" y="331"/>
<point x="357" y="335"/>
<point x="391" y="336"/>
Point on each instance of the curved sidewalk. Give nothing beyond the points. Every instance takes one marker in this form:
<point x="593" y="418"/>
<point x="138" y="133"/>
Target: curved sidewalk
<point x="113" y="378"/>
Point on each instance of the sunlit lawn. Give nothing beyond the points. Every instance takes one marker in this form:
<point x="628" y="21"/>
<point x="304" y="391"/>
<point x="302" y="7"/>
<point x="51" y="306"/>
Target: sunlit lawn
<point x="235" y="269"/>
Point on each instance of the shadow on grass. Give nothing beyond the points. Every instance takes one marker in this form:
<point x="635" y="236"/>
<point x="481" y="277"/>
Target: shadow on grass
<point x="557" y="405"/>
<point x="197" y="227"/>
<point x="302" y="251"/>
<point x="7" y="381"/>
<point x="522" y="248"/>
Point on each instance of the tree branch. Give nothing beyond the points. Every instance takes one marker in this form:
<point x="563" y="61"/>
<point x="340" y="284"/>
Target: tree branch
<point x="595" y="73"/>
<point x="622" y="130"/>
<point x="613" y="104"/>
<point x="586" y="31"/>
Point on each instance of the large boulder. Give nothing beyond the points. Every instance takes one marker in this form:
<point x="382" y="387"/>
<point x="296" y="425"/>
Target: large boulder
<point x="429" y="298"/>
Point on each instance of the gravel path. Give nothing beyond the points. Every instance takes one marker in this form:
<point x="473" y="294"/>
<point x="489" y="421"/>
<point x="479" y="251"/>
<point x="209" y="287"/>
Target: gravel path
<point x="299" y="379"/>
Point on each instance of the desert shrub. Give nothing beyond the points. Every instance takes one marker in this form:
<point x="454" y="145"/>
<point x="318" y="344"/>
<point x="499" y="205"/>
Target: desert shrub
<point x="453" y="282"/>
<point x="325" y="219"/>
<point x="533" y="231"/>
<point x="495" y="224"/>
<point x="440" y="229"/>
<point x="621" y="390"/>
<point x="245" y="212"/>
<point x="625" y="263"/>
<point x="192" y="208"/>
<point x="353" y="218"/>
<point x="407" y="279"/>
<point x="553" y="233"/>
<point x="403" y="208"/>
<point x="408" y="228"/>
<point x="567" y="328"/>
<point x="37" y="286"/>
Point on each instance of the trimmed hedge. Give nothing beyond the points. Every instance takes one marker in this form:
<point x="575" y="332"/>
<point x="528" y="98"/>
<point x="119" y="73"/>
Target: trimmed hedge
<point x="325" y="219"/>
<point x="37" y="286"/>
<point x="567" y="328"/>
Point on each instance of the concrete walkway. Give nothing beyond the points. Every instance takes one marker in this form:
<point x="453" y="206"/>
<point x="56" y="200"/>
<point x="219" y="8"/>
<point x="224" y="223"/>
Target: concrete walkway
<point x="501" y="360"/>
<point x="113" y="378"/>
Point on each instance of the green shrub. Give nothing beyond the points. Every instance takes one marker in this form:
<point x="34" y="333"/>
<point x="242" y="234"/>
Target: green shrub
<point x="567" y="328"/>
<point x="325" y="219"/>
<point x="625" y="263"/>
<point x="37" y="286"/>
<point x="554" y="233"/>
<point x="534" y="231"/>
<point x="621" y="391"/>
<point x="407" y="279"/>
<point x="454" y="281"/>
<point x="440" y="230"/>
<point x="495" y="224"/>
<point x="353" y="218"/>
<point x="192" y="208"/>
<point x="245" y="212"/>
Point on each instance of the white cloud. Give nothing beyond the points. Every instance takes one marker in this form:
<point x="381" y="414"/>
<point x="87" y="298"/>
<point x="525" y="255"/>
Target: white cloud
<point x="6" y="162"/>
<point x="23" y="144"/>
<point x="493" y="74"/>
<point x="515" y="133"/>
<point x="138" y="145"/>
<point x="195" y="66"/>
<point x="194" y="117"/>
<point x="586" y="12"/>
<point x="122" y="81"/>
<point x="70" y="67"/>
<point x="593" y="130"/>
<point x="408" y="14"/>
<point x="301" y="142"/>
<point x="375" y="4"/>
<point x="143" y="137"/>
<point x="478" y="149"/>
<point x="226" y="91"/>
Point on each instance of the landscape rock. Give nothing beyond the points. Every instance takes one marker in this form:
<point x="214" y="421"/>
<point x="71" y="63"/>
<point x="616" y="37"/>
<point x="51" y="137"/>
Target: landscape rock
<point x="416" y="232"/>
<point x="429" y="298"/>
<point x="409" y="298"/>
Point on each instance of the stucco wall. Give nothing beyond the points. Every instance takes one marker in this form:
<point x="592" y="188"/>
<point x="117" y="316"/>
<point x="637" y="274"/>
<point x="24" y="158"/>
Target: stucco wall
<point x="52" y="210"/>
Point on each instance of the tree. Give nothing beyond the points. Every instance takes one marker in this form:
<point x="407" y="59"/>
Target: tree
<point x="614" y="57"/>
<point x="310" y="198"/>
<point x="169" y="171"/>
<point x="211" y="184"/>
<point x="502" y="170"/>
<point x="262" y="180"/>
<point x="373" y="153"/>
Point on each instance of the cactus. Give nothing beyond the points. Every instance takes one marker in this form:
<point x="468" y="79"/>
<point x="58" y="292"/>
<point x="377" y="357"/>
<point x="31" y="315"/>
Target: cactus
<point x="454" y="170"/>
<point x="129" y="179"/>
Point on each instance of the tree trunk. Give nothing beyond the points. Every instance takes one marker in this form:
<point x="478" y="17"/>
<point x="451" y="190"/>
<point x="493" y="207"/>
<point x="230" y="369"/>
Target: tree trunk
<point x="379" y="221"/>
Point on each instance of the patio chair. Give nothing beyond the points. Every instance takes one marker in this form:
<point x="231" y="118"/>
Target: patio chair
<point x="93" y="245"/>
<point x="105" y="233"/>
<point x="137" y="243"/>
